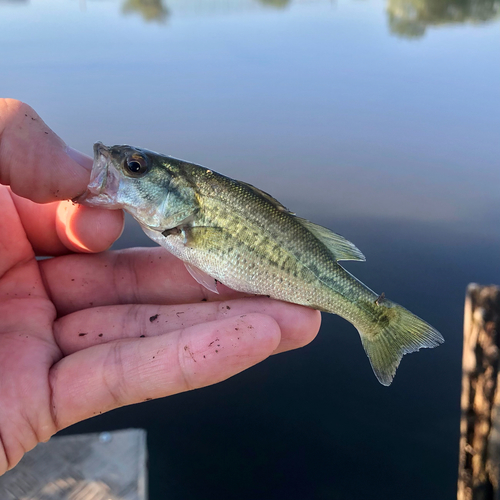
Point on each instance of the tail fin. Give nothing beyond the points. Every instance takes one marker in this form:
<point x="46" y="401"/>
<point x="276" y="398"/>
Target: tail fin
<point x="402" y="334"/>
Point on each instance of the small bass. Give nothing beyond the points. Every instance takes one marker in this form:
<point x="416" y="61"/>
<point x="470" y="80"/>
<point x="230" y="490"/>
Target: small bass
<point x="230" y="232"/>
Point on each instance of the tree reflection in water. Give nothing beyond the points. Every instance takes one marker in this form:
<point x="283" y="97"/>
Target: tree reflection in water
<point x="407" y="18"/>
<point x="150" y="10"/>
<point x="410" y="18"/>
<point x="279" y="4"/>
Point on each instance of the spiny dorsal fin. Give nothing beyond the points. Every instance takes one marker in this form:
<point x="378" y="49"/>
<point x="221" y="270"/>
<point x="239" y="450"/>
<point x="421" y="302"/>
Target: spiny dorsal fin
<point x="341" y="248"/>
<point x="267" y="197"/>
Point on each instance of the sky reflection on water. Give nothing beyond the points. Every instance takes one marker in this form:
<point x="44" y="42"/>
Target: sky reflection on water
<point x="377" y="119"/>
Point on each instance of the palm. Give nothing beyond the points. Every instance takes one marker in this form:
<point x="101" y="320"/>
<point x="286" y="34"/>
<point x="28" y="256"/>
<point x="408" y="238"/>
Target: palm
<point x="28" y="349"/>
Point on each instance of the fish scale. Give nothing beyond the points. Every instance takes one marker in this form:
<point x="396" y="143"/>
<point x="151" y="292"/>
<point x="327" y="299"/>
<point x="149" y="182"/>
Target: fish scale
<point x="300" y="255"/>
<point x="231" y="232"/>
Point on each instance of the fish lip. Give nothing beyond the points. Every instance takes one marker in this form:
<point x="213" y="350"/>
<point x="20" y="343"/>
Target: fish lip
<point x="100" y="149"/>
<point x="96" y="194"/>
<point x="99" y="174"/>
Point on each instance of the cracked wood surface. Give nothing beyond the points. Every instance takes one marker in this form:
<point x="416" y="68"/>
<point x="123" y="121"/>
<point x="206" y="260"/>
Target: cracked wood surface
<point x="479" y="455"/>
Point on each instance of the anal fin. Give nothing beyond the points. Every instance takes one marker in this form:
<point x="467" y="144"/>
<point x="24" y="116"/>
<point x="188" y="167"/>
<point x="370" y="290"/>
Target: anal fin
<point x="202" y="277"/>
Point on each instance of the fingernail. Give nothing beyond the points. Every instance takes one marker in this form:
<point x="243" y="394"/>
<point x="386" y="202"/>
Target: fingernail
<point x="80" y="158"/>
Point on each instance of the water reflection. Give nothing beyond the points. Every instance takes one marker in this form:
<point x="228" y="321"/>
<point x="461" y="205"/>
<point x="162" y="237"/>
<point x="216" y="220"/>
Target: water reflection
<point x="279" y="4"/>
<point x="156" y="10"/>
<point x="410" y="18"/>
<point x="150" y="10"/>
<point x="406" y="18"/>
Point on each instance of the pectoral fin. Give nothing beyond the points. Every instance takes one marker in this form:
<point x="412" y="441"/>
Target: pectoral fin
<point x="202" y="277"/>
<point x="341" y="248"/>
<point x="202" y="236"/>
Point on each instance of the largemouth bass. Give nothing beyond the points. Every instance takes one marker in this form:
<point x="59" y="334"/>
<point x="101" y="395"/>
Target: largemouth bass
<point x="230" y="232"/>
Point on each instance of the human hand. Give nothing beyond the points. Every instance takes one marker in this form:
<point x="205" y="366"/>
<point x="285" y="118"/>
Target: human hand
<point x="87" y="332"/>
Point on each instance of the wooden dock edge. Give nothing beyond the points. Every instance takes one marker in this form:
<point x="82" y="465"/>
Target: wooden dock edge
<point x="110" y="465"/>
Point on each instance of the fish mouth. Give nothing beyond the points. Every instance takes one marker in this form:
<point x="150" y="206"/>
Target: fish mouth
<point x="104" y="183"/>
<point x="99" y="174"/>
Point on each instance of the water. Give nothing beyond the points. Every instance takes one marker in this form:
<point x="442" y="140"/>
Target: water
<point x="378" y="120"/>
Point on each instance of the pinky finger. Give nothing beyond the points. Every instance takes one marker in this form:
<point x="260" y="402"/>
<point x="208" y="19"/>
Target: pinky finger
<point x="107" y="376"/>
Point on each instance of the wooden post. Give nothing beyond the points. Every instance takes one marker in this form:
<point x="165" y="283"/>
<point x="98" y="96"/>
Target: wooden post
<point x="479" y="459"/>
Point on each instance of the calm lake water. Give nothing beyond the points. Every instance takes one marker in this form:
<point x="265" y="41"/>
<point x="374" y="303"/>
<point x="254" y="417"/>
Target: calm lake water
<point x="380" y="120"/>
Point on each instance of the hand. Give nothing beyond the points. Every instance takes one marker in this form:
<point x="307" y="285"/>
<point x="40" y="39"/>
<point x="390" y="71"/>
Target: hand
<point x="86" y="332"/>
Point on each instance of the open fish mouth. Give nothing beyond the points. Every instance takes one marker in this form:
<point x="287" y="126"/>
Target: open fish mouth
<point x="104" y="182"/>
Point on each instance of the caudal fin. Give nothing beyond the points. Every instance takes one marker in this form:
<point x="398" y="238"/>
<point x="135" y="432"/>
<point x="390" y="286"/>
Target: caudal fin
<point x="403" y="333"/>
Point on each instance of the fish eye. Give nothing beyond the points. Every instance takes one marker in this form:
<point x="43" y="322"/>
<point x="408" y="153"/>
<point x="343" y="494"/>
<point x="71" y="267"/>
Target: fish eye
<point x="136" y="165"/>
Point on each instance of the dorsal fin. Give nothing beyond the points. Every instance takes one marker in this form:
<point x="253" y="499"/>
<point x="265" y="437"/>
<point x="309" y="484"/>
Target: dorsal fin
<point x="267" y="197"/>
<point x="341" y="248"/>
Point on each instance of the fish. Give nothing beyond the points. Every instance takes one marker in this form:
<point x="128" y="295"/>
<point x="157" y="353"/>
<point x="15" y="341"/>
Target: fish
<point x="231" y="232"/>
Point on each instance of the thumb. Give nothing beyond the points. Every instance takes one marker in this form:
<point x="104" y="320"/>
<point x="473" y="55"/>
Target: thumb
<point x="34" y="161"/>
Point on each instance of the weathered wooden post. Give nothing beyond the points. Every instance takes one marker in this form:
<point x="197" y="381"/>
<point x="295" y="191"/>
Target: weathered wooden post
<point x="479" y="462"/>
